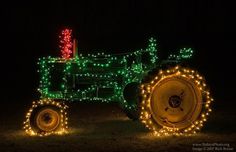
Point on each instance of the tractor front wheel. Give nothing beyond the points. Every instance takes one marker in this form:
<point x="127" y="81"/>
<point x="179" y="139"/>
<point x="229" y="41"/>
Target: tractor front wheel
<point x="46" y="117"/>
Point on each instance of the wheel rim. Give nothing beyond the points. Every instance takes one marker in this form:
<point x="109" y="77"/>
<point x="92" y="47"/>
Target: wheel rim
<point x="48" y="119"/>
<point x="175" y="102"/>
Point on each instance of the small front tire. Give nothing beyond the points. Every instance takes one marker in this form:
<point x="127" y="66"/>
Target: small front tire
<point x="46" y="117"/>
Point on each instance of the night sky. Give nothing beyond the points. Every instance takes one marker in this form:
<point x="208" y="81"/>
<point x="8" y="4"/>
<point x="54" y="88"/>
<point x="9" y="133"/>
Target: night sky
<point x="30" y="30"/>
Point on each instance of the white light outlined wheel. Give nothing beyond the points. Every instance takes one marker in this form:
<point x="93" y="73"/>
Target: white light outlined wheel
<point x="46" y="117"/>
<point x="175" y="102"/>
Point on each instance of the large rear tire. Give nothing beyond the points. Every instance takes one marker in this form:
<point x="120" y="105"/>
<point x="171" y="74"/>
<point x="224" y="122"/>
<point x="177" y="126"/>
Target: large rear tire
<point x="175" y="102"/>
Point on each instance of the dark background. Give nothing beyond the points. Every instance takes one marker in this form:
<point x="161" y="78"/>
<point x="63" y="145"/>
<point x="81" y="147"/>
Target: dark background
<point x="30" y="30"/>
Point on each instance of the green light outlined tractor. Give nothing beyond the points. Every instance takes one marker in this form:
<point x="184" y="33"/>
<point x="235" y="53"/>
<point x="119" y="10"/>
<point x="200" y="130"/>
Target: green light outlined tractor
<point x="167" y="99"/>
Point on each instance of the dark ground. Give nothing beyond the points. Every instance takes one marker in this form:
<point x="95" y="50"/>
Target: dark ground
<point x="102" y="127"/>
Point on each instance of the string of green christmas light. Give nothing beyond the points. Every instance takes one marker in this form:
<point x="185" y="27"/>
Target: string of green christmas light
<point x="127" y="66"/>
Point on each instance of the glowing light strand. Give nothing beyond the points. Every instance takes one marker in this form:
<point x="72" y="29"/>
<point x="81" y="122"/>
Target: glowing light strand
<point x="63" y="128"/>
<point x="147" y="89"/>
<point x="66" y="43"/>
<point x="185" y="53"/>
<point x="133" y="72"/>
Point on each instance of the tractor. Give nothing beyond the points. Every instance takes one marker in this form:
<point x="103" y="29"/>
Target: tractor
<point x="167" y="97"/>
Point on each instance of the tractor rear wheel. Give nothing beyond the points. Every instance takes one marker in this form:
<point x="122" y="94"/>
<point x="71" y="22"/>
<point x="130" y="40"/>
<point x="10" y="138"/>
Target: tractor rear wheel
<point x="175" y="102"/>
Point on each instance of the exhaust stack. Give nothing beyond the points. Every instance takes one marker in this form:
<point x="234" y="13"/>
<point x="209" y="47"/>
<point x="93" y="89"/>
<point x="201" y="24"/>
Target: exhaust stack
<point x="75" y="48"/>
